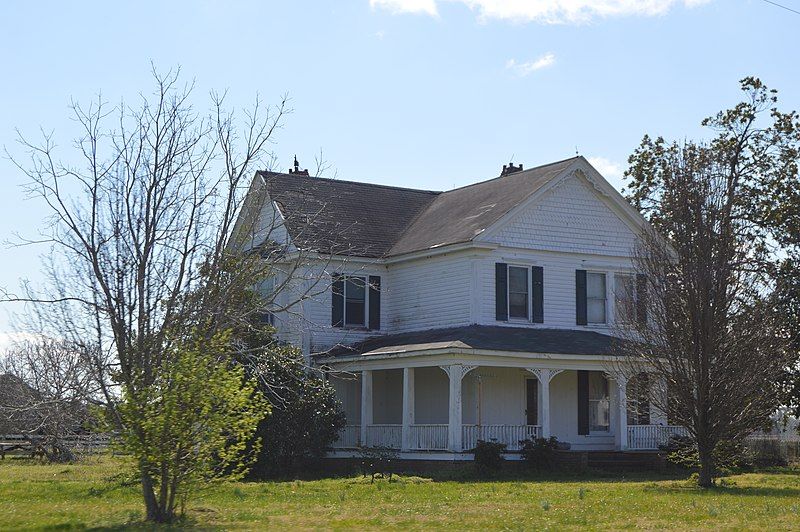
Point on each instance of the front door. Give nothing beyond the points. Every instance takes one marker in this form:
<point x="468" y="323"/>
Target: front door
<point x="531" y="401"/>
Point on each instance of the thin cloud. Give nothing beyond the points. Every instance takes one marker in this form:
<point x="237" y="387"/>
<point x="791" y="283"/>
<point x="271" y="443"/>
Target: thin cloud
<point x="529" y="67"/>
<point x="609" y="169"/>
<point x="425" y="7"/>
<point x="543" y="11"/>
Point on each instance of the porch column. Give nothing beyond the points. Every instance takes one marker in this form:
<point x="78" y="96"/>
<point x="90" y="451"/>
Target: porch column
<point x="622" y="412"/>
<point x="544" y="376"/>
<point x="544" y="385"/>
<point x="366" y="404"/>
<point x="408" y="407"/>
<point x="456" y="373"/>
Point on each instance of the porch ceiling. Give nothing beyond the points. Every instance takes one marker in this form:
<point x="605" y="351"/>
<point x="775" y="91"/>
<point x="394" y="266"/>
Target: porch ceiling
<point x="484" y="337"/>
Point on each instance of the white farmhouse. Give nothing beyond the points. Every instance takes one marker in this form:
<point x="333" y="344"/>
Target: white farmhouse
<point x="484" y="312"/>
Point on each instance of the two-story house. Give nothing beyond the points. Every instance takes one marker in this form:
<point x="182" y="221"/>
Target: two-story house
<point x="484" y="312"/>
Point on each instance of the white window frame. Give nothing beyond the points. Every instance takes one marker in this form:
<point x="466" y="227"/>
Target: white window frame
<point x="365" y="279"/>
<point x="605" y="299"/>
<point x="508" y="292"/>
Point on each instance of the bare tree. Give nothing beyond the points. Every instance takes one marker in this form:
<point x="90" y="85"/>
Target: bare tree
<point x="710" y="325"/>
<point x="147" y="239"/>
<point x="50" y="402"/>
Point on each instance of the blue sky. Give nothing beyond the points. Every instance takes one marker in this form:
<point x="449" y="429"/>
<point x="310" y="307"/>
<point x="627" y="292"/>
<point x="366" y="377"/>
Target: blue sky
<point x="420" y="93"/>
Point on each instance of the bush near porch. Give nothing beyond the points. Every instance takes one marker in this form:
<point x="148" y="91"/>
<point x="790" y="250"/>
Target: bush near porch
<point x="92" y="494"/>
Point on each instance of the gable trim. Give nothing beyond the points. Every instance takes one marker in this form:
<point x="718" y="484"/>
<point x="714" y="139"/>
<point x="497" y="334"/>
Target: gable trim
<point x="585" y="172"/>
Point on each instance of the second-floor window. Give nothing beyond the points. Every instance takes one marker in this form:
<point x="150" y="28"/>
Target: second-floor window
<point x="356" y="301"/>
<point x="518" y="294"/>
<point x="595" y="297"/>
<point x="624" y="297"/>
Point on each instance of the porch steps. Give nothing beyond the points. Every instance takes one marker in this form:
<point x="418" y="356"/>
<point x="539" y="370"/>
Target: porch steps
<point x="624" y="460"/>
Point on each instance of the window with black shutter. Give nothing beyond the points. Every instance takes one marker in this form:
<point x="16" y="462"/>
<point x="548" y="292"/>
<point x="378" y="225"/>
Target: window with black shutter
<point x="355" y="301"/>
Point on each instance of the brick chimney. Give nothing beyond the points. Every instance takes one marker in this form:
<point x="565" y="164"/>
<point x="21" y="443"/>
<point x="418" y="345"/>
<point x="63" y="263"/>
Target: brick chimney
<point x="297" y="168"/>
<point x="510" y="169"/>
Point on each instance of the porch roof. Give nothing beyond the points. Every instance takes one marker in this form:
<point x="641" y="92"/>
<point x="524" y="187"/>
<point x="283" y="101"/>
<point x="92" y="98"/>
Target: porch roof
<point x="484" y="337"/>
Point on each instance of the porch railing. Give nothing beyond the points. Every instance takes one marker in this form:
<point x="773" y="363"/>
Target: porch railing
<point x="384" y="435"/>
<point x="428" y="437"/>
<point x="508" y="434"/>
<point x="348" y="437"/>
<point x="651" y="437"/>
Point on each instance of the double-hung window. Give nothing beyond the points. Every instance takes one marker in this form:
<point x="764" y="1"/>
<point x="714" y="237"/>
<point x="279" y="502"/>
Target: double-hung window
<point x="355" y="301"/>
<point x="624" y="298"/>
<point x="518" y="293"/>
<point x="266" y="289"/>
<point x="595" y="297"/>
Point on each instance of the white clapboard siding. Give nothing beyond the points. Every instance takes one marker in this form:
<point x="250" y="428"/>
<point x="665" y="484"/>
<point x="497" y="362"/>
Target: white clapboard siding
<point x="430" y="293"/>
<point x="571" y="218"/>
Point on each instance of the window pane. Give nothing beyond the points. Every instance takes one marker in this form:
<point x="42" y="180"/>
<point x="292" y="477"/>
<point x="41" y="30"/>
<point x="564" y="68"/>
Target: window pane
<point x="596" y="310"/>
<point x="599" y="406"/>
<point x="518" y="292"/>
<point x="517" y="279"/>
<point x="518" y="305"/>
<point x="354" y="297"/>
<point x="596" y="285"/>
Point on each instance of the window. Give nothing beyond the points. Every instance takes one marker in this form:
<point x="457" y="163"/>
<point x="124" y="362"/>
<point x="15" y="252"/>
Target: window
<point x="624" y="298"/>
<point x="596" y="297"/>
<point x="355" y="301"/>
<point x="266" y="289"/>
<point x="518" y="296"/>
<point x="599" y="406"/>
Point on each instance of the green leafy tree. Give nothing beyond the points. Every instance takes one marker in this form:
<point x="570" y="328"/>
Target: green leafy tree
<point x="722" y="209"/>
<point x="195" y="422"/>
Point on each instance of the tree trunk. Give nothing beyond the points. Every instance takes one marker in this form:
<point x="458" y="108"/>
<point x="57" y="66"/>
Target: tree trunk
<point x="154" y="511"/>
<point x="706" y="479"/>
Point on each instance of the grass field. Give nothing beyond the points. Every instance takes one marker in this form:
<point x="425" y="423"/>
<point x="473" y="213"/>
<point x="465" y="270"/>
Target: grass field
<point x="96" y="495"/>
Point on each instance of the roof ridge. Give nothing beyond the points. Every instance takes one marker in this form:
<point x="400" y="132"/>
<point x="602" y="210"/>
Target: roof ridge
<point x="513" y="174"/>
<point x="376" y="185"/>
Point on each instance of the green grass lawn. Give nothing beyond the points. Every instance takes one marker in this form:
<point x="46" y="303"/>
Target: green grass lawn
<point x="95" y="495"/>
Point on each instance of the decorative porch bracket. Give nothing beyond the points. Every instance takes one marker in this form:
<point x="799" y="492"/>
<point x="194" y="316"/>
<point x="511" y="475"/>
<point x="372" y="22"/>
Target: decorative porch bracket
<point x="455" y="372"/>
<point x="545" y="375"/>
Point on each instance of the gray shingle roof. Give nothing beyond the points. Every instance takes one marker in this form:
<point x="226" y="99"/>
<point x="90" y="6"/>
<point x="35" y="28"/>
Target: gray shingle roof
<point x="494" y="338"/>
<point x="351" y="218"/>
<point x="344" y="217"/>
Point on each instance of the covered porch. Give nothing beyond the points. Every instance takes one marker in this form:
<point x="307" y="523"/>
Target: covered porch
<point x="441" y="391"/>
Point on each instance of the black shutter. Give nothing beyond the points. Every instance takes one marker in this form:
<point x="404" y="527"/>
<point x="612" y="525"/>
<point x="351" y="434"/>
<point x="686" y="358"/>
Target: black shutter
<point x="583" y="403"/>
<point x="374" y="302"/>
<point x="501" y="291"/>
<point x="580" y="297"/>
<point x="641" y="298"/>
<point x="337" y="301"/>
<point x="537" y="294"/>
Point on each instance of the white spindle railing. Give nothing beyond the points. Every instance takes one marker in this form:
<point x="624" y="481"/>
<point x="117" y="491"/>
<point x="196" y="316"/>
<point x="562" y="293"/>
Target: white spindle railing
<point x="511" y="435"/>
<point x="384" y="435"/>
<point x="428" y="437"/>
<point x="651" y="437"/>
<point x="348" y="437"/>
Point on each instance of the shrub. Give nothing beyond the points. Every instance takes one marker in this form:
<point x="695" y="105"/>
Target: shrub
<point x="767" y="453"/>
<point x="489" y="455"/>
<point x="539" y="453"/>
<point x="728" y="455"/>
<point x="305" y="419"/>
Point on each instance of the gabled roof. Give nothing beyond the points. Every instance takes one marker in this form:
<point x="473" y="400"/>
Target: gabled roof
<point x="485" y="337"/>
<point x="332" y="216"/>
<point x="363" y="219"/>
